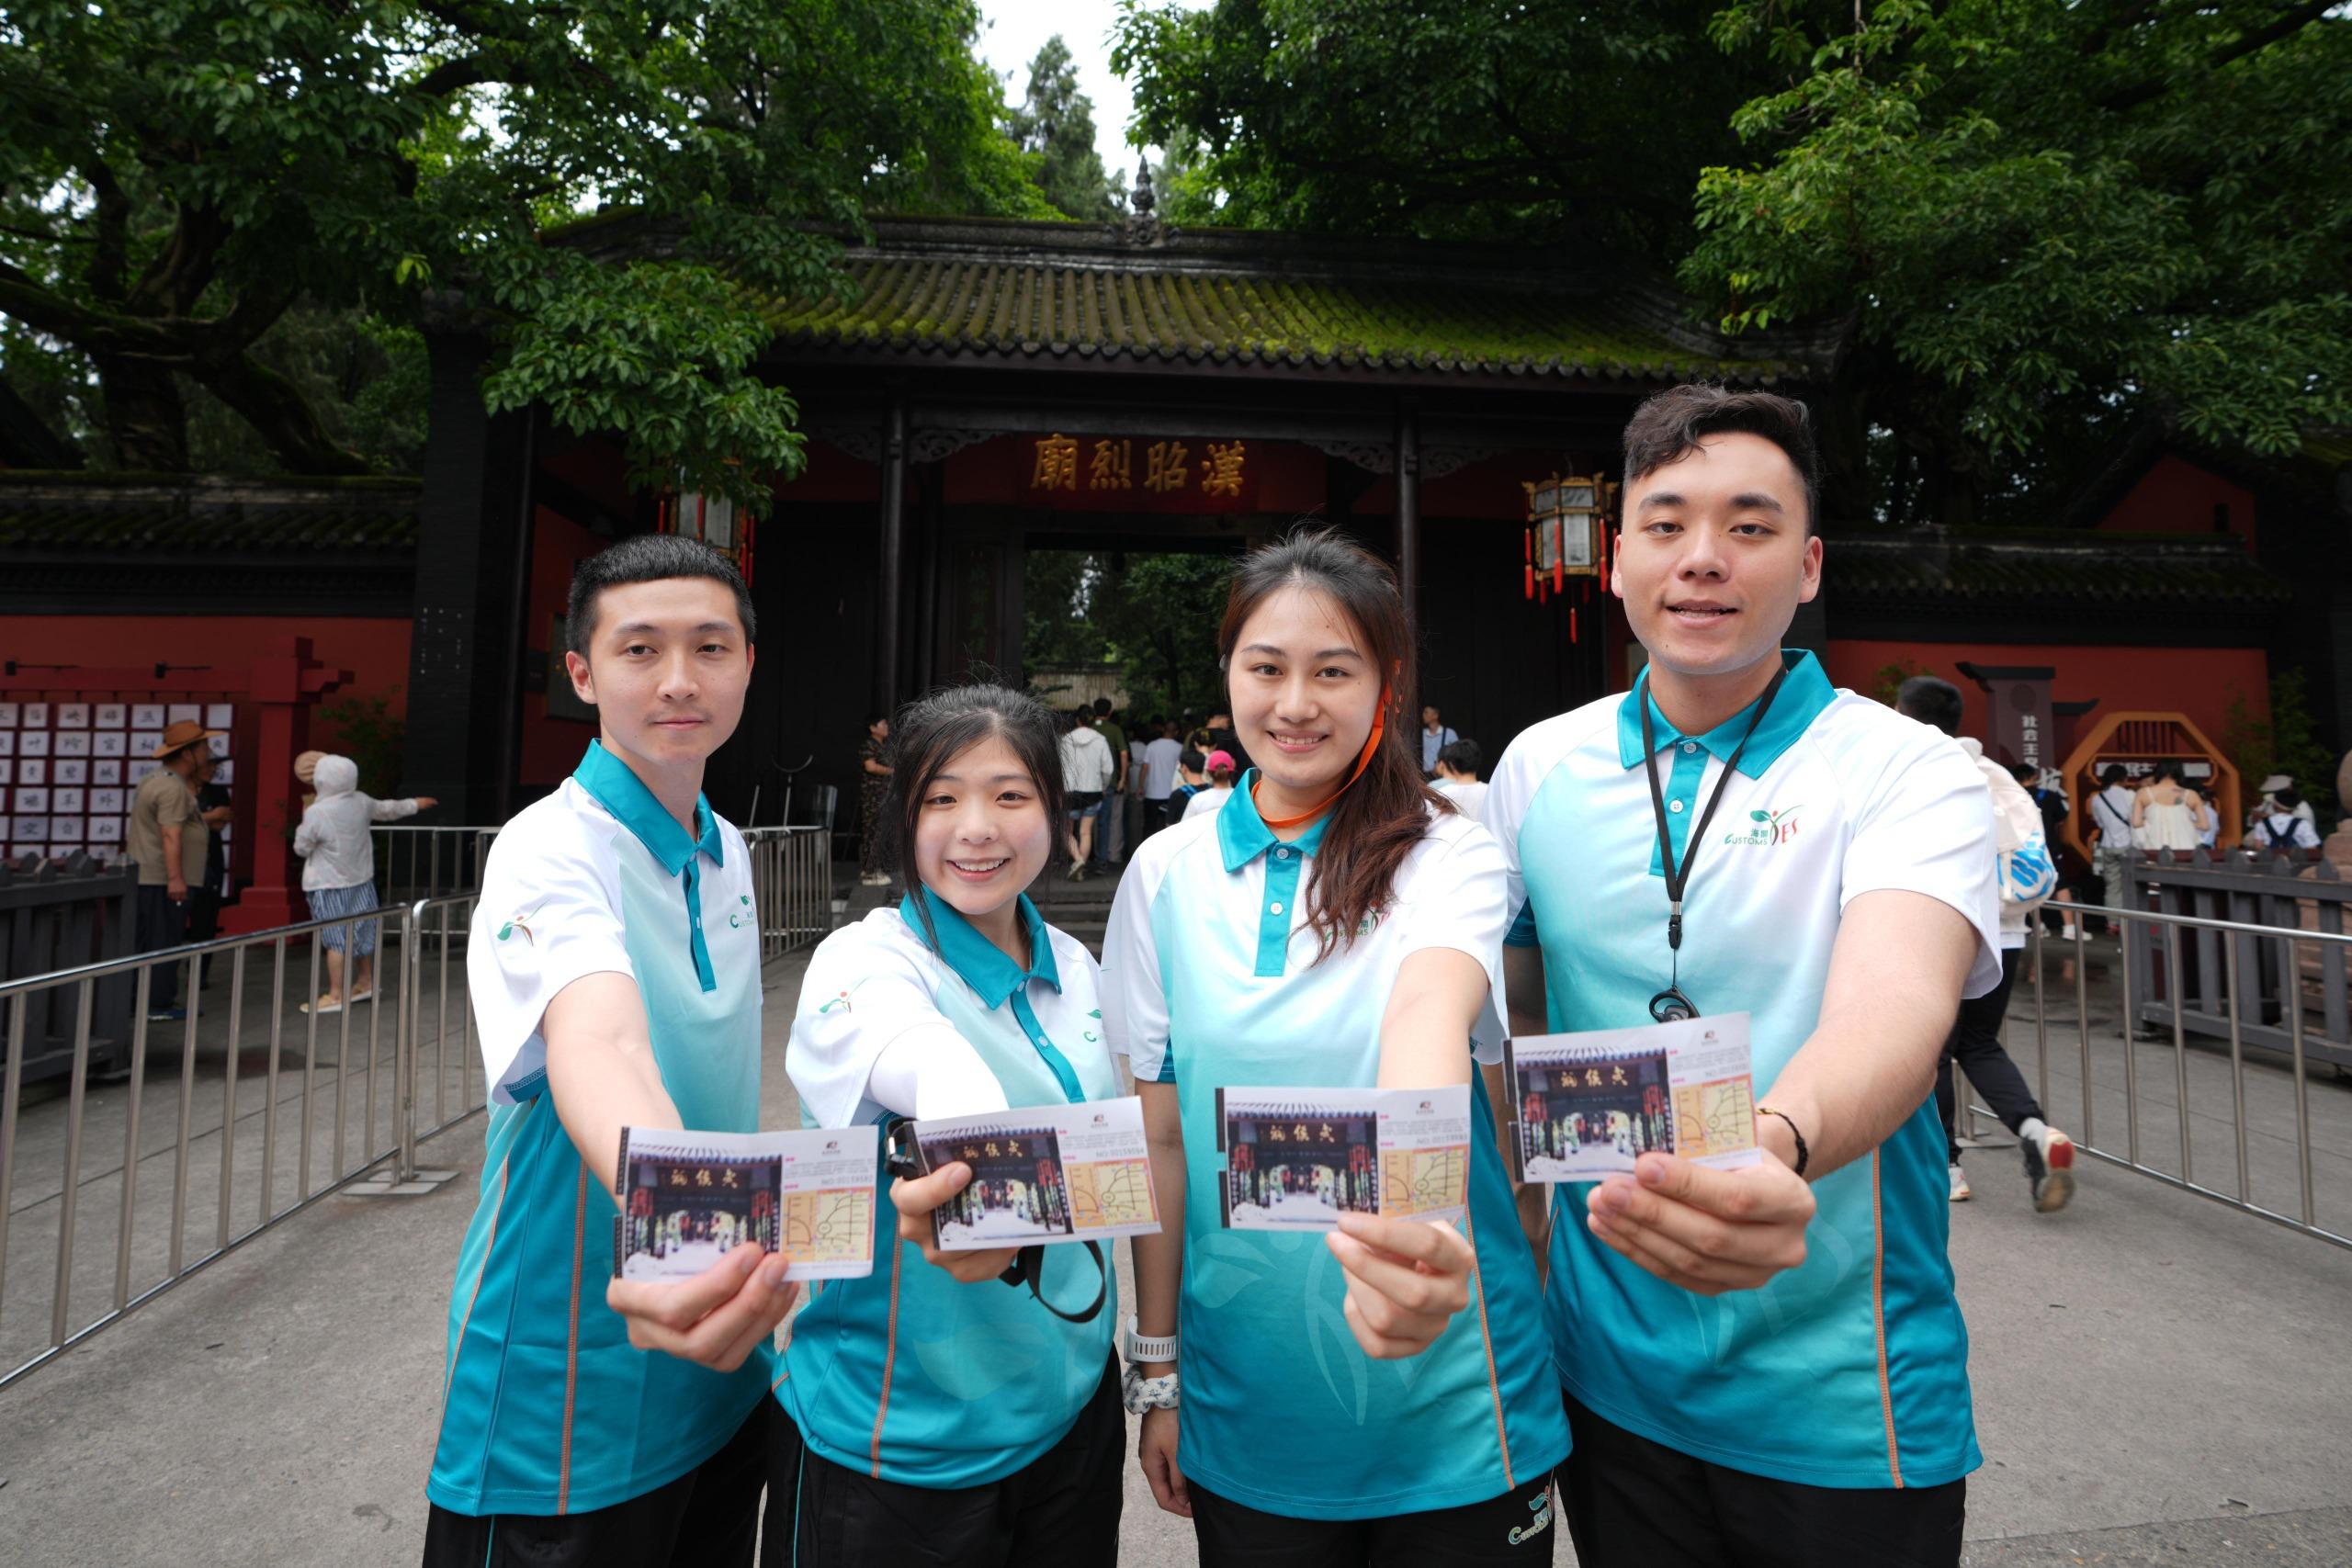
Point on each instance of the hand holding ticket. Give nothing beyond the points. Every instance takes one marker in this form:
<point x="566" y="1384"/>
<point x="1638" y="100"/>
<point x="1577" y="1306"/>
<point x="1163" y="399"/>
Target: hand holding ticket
<point x="1298" y="1158"/>
<point x="1585" y="1105"/>
<point x="1043" y="1174"/>
<point x="689" y="1199"/>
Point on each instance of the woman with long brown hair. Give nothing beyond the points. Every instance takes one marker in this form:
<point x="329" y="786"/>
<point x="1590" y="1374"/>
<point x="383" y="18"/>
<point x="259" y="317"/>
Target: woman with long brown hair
<point x="1382" y="1396"/>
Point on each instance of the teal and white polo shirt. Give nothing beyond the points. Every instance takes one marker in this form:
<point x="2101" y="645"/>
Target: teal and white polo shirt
<point x="908" y="1375"/>
<point x="548" y="1409"/>
<point x="1852" y="1370"/>
<point x="1210" y="980"/>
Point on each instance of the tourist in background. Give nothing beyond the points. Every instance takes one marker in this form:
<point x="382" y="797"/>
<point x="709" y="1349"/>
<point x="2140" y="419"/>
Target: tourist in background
<point x="1458" y="767"/>
<point x="1111" y="843"/>
<point x="1435" y="738"/>
<point x="167" y="840"/>
<point x="2167" y="814"/>
<point x="1159" y="760"/>
<point x="1087" y="772"/>
<point x="2111" y="816"/>
<point x="872" y="784"/>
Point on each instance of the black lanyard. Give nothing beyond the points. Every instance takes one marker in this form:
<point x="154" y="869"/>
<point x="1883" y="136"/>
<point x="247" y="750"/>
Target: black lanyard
<point x="1664" y="1005"/>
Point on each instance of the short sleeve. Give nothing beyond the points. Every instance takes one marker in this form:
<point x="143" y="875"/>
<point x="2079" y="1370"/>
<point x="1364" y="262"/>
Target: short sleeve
<point x="861" y="997"/>
<point x="1505" y="806"/>
<point x="549" y="914"/>
<point x="175" y="808"/>
<point x="1135" y="1003"/>
<point x="1927" y="827"/>
<point x="1457" y="899"/>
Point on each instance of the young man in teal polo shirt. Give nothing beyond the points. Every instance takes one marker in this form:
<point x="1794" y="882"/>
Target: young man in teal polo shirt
<point x="1764" y="1366"/>
<point x="615" y="978"/>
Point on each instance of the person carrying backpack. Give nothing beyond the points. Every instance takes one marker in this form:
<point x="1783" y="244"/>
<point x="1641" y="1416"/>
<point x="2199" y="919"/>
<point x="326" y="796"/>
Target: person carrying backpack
<point x="2026" y="876"/>
<point x="2283" y="827"/>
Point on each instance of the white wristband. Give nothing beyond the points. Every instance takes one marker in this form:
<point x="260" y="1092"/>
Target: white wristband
<point x="1134" y="1346"/>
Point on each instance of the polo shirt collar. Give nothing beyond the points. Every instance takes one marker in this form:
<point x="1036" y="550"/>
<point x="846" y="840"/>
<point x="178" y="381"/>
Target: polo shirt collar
<point x="980" y="963"/>
<point x="621" y="792"/>
<point x="1803" y="694"/>
<point x="1242" y="835"/>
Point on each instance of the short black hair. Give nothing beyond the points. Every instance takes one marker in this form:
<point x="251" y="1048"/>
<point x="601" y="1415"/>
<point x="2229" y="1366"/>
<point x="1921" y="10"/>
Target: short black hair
<point x="649" y="558"/>
<point x="1102" y="704"/>
<point x="2113" y="774"/>
<point x="1195" y="761"/>
<point x="2286" y="800"/>
<point x="1463" y="757"/>
<point x="1669" y="425"/>
<point x="931" y="732"/>
<point x="2024" y="773"/>
<point x="1931" y="699"/>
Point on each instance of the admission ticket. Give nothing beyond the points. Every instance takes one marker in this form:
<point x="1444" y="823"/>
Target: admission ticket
<point x="1044" y="1174"/>
<point x="688" y="1199"/>
<point x="1298" y="1158"/>
<point x="1585" y="1105"/>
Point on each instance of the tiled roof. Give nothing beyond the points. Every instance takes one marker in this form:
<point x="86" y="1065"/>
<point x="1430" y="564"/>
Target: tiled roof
<point x="2049" y="569"/>
<point x="1016" y="292"/>
<point x="55" y="514"/>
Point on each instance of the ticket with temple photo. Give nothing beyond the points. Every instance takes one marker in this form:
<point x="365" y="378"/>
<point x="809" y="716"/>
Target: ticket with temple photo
<point x="1044" y="1174"/>
<point x="689" y="1199"/>
<point x="1584" y="1105"/>
<point x="1298" y="1158"/>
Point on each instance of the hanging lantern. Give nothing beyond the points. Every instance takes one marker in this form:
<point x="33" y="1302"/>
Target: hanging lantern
<point x="713" y="520"/>
<point x="1563" y="531"/>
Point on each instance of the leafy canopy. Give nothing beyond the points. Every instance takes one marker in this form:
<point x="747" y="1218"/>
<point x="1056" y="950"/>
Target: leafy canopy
<point x="1054" y="126"/>
<point x="2037" y="220"/>
<point x="609" y="189"/>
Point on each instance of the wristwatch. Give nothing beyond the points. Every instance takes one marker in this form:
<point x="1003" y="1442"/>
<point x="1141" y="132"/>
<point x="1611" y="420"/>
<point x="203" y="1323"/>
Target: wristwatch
<point x="1134" y="1346"/>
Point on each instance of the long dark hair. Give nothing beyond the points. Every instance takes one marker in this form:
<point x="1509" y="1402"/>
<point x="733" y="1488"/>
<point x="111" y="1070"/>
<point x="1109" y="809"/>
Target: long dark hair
<point x="931" y="731"/>
<point x="1383" y="815"/>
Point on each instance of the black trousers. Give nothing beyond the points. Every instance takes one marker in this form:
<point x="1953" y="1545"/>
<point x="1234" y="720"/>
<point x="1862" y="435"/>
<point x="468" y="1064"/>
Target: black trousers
<point x="1062" y="1511"/>
<point x="708" y="1518"/>
<point x="1513" y="1529"/>
<point x="1975" y="1045"/>
<point x="1632" y="1503"/>
<point x="160" y="924"/>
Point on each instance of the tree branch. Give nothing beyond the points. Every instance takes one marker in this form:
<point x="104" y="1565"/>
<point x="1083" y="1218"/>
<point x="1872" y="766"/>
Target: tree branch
<point x="2287" y="24"/>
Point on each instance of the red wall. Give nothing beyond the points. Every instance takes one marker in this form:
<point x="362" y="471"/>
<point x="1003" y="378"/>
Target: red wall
<point x="550" y="746"/>
<point x="2177" y="497"/>
<point x="374" y="650"/>
<point x="2199" y="682"/>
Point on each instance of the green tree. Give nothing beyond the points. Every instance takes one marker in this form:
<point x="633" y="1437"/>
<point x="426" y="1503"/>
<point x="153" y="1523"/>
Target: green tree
<point x="611" y="189"/>
<point x="1054" y="126"/>
<point x="1154" y="617"/>
<point x="2032" y="224"/>
<point x="2041" y="216"/>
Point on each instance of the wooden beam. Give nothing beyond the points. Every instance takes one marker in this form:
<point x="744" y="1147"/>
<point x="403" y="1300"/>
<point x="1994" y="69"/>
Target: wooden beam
<point x="894" y="551"/>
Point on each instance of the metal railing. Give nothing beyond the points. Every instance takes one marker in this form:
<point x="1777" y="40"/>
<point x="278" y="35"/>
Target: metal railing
<point x="434" y="859"/>
<point x="2146" y="958"/>
<point x="265" y="1117"/>
<point x="792" y="881"/>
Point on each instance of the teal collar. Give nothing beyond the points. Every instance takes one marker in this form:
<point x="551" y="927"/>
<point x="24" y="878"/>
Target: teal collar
<point x="979" y="962"/>
<point x="1243" y="835"/>
<point x="1803" y="694"/>
<point x="622" y="793"/>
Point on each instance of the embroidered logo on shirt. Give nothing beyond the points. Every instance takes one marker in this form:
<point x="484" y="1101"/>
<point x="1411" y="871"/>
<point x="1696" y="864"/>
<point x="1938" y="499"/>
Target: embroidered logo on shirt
<point x="1766" y="828"/>
<point x="1091" y="1037"/>
<point x="737" y="917"/>
<point x="521" y="922"/>
<point x="841" y="1001"/>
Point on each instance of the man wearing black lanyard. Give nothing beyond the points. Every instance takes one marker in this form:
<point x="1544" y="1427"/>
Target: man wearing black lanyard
<point x="1764" y="1365"/>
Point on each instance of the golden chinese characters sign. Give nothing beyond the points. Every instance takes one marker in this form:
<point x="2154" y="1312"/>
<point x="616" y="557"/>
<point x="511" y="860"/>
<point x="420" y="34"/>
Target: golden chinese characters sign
<point x="1138" y="473"/>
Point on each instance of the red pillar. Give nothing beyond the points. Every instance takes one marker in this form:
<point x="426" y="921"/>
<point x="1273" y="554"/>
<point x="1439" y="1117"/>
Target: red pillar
<point x="285" y="685"/>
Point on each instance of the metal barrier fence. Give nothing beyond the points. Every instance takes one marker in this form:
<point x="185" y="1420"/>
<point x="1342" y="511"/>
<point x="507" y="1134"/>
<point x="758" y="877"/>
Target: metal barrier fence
<point x="265" y="1117"/>
<point x="792" y="880"/>
<point x="2144" y="959"/>
<point x="427" y="860"/>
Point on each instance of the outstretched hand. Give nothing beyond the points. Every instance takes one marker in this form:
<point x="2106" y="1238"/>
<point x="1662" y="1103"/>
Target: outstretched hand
<point x="1406" y="1281"/>
<point x="916" y="1196"/>
<point x="715" y="1319"/>
<point x="1708" y="1231"/>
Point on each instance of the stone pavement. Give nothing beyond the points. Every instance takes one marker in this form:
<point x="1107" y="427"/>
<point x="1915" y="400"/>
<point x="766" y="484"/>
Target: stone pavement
<point x="2159" y="1380"/>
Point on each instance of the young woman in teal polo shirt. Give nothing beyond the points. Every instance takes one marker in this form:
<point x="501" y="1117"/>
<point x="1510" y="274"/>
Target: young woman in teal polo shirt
<point x="1383" y="1395"/>
<point x="930" y="1412"/>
